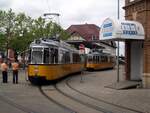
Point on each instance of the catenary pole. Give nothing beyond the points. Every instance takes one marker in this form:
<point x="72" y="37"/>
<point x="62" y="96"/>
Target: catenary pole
<point x="118" y="16"/>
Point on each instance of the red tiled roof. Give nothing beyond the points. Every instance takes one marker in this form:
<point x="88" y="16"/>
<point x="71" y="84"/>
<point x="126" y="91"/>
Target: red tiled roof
<point x="87" y="31"/>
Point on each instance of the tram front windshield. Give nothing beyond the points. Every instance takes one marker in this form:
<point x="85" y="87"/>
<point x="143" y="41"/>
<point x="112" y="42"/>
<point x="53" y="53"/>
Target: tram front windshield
<point x="37" y="56"/>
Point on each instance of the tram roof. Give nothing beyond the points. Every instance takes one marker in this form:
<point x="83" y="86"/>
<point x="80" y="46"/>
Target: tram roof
<point x="99" y="53"/>
<point x="47" y="42"/>
<point x="88" y="44"/>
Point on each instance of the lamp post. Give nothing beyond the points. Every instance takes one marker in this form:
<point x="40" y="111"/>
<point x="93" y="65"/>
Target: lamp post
<point x="118" y="16"/>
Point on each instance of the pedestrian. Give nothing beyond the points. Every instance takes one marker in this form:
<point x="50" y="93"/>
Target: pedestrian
<point x="4" y="68"/>
<point x="15" y="67"/>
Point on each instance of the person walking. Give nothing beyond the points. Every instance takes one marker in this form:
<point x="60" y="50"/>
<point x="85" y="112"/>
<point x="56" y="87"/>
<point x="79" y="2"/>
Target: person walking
<point x="15" y="67"/>
<point x="4" y="68"/>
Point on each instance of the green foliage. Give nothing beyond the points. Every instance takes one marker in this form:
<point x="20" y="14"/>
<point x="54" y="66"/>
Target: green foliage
<point x="17" y="31"/>
<point x="2" y="42"/>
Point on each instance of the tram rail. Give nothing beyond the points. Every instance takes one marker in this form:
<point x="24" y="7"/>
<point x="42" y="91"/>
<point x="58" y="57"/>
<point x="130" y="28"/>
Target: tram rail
<point x="81" y="102"/>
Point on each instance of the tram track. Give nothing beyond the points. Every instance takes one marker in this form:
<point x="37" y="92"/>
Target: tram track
<point x="81" y="102"/>
<point x="65" y="90"/>
<point x="67" y="82"/>
<point x="66" y="102"/>
<point x="15" y="105"/>
<point x="56" y="102"/>
<point x="99" y="106"/>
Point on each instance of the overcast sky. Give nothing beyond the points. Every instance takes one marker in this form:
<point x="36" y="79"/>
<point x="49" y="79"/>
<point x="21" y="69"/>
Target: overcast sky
<point x="71" y="11"/>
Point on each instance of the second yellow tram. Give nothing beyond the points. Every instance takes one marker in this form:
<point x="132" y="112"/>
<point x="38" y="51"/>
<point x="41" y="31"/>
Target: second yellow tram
<point x="99" y="60"/>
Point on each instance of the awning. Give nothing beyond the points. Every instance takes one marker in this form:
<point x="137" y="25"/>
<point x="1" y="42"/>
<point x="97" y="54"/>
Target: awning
<point x="121" y="30"/>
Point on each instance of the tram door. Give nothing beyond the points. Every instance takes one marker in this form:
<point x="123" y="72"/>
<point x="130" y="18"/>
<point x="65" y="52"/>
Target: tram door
<point x="136" y="60"/>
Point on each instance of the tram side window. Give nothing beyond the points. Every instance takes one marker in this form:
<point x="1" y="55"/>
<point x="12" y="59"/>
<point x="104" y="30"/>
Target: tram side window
<point x="76" y="58"/>
<point x="90" y="59"/>
<point x="50" y="56"/>
<point x="46" y="55"/>
<point x="98" y="59"/>
<point x="64" y="57"/>
<point x="104" y="59"/>
<point x="37" y="57"/>
<point x="29" y="56"/>
<point x="94" y="59"/>
<point x="109" y="59"/>
<point x="112" y="59"/>
<point x="67" y="57"/>
<point x="54" y="55"/>
<point x="61" y="56"/>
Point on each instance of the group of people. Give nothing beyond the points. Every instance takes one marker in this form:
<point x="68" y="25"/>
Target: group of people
<point x="4" y="69"/>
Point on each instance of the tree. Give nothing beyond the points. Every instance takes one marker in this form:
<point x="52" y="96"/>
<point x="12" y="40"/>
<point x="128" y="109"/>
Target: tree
<point x="17" y="31"/>
<point x="55" y="30"/>
<point x="23" y="32"/>
<point x="39" y="27"/>
<point x="7" y="27"/>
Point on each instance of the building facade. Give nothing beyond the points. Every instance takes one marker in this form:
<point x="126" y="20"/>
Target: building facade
<point x="89" y="33"/>
<point x="86" y="32"/>
<point x="139" y="10"/>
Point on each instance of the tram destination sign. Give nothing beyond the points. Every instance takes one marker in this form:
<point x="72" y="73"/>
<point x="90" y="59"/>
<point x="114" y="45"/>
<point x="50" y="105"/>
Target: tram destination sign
<point x="120" y="30"/>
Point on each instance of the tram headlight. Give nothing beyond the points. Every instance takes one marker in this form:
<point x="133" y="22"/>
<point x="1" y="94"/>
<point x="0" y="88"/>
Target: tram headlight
<point x="36" y="69"/>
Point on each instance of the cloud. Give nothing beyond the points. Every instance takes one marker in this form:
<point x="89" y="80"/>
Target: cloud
<point x="95" y="12"/>
<point x="32" y="8"/>
<point x="5" y="4"/>
<point x="72" y="11"/>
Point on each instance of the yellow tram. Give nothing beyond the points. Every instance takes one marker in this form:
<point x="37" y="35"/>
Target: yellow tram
<point x="51" y="59"/>
<point x="97" y="60"/>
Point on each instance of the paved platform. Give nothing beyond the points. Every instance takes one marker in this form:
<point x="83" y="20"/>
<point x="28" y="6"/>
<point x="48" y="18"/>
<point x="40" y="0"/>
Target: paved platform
<point x="95" y="84"/>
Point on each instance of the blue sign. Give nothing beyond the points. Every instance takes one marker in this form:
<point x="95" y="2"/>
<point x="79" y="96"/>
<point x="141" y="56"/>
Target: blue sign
<point x="107" y="25"/>
<point x="107" y="29"/>
<point x="129" y="29"/>
<point x="107" y="34"/>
